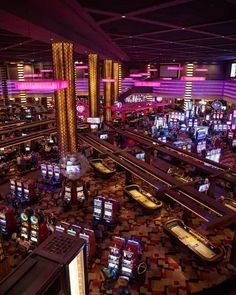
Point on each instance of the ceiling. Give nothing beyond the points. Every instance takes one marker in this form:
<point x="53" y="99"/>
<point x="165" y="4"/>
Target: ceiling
<point x="139" y="31"/>
<point x="153" y="30"/>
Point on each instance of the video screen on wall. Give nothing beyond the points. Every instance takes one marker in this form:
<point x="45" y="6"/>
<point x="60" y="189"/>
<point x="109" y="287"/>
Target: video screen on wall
<point x="233" y="71"/>
<point x="165" y="73"/>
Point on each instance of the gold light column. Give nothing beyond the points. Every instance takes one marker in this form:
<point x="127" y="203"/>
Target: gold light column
<point x="65" y="103"/>
<point x="94" y="84"/>
<point x="116" y="77"/>
<point x="20" y="74"/>
<point x="188" y="87"/>
<point x="108" y="88"/>
<point x="120" y="78"/>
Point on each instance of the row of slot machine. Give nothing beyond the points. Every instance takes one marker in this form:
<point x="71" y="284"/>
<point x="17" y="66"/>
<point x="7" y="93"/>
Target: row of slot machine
<point x="105" y="210"/>
<point x="23" y="189"/>
<point x="124" y="256"/>
<point x="73" y="193"/>
<point x="33" y="226"/>
<point x="77" y="231"/>
<point x="51" y="172"/>
<point x="7" y="221"/>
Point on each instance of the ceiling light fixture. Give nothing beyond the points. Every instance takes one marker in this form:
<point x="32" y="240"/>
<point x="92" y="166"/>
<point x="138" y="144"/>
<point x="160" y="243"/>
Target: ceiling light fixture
<point x="123" y="16"/>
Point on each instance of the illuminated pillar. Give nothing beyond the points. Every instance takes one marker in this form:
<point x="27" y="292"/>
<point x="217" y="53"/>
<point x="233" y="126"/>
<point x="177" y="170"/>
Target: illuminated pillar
<point x="120" y="79"/>
<point x="20" y="74"/>
<point x="117" y="75"/>
<point x="188" y="87"/>
<point x="3" y="74"/>
<point x="94" y="84"/>
<point x="108" y="89"/>
<point x="65" y="103"/>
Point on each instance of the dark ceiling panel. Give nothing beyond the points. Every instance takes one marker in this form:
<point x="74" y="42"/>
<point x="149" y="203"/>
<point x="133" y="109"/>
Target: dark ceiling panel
<point x="119" y="6"/>
<point x="195" y="13"/>
<point x="179" y="35"/>
<point x="129" y="27"/>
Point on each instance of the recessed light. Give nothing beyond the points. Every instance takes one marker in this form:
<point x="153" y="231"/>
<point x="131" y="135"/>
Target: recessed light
<point x="183" y="28"/>
<point x="123" y="16"/>
<point x="222" y="36"/>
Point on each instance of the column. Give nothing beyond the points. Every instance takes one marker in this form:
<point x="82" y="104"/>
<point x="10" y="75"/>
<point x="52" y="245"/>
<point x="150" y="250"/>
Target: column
<point x="108" y="89"/>
<point x="94" y="84"/>
<point x="117" y="75"/>
<point x="4" y="77"/>
<point x="188" y="87"/>
<point x="20" y="74"/>
<point x="65" y="103"/>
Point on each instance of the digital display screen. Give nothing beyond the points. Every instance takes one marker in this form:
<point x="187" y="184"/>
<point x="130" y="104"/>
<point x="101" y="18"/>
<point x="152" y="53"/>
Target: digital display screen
<point x="73" y="169"/>
<point x="204" y="187"/>
<point x="104" y="136"/>
<point x="27" y="149"/>
<point x="233" y="70"/>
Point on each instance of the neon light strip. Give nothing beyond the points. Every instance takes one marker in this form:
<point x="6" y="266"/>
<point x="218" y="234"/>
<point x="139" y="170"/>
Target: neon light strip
<point x="81" y="67"/>
<point x="147" y="83"/>
<point x="186" y="78"/>
<point x="46" y="71"/>
<point x="108" y="80"/>
<point x="33" y="75"/>
<point x="200" y="70"/>
<point x="175" y="68"/>
<point x="41" y="85"/>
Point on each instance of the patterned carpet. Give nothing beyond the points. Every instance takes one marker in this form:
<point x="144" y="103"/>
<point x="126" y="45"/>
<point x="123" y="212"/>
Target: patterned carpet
<point x="171" y="268"/>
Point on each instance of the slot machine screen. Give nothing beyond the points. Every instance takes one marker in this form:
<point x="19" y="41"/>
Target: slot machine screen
<point x="140" y="156"/>
<point x="73" y="169"/>
<point x="208" y="117"/>
<point x="59" y="228"/>
<point x="27" y="149"/>
<point x="68" y="189"/>
<point x="204" y="187"/>
<point x="67" y="195"/>
<point x="71" y="232"/>
<point x="126" y="270"/>
<point x="234" y="143"/>
<point x="103" y="136"/>
<point x="96" y="210"/>
<point x="108" y="213"/>
<point x="26" y="191"/>
<point x="201" y="134"/>
<point x="80" y="195"/>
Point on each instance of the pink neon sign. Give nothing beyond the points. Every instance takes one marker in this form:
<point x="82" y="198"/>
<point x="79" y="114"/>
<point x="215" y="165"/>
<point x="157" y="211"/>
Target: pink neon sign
<point x="185" y="78"/>
<point x="33" y="75"/>
<point x="145" y="74"/>
<point x="147" y="83"/>
<point x="152" y="70"/>
<point x="41" y="85"/>
<point x="46" y="71"/>
<point x="172" y="68"/>
<point x="81" y="67"/>
<point x="135" y="75"/>
<point x="108" y="80"/>
<point x="200" y="70"/>
<point x="167" y="79"/>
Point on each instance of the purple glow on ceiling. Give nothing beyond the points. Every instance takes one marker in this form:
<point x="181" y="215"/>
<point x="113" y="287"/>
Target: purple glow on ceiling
<point x="136" y="75"/>
<point x="41" y="85"/>
<point x="108" y="80"/>
<point x="147" y="83"/>
<point x="33" y="75"/>
<point x="200" y="70"/>
<point x="186" y="78"/>
<point x="81" y="67"/>
<point x="46" y="71"/>
<point x="172" y="68"/>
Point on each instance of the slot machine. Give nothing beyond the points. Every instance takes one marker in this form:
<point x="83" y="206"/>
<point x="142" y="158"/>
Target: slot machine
<point x="89" y="236"/>
<point x="67" y="193"/>
<point x="57" y="173"/>
<point x="98" y="205"/>
<point x="110" y="211"/>
<point x="29" y="190"/>
<point x="50" y="171"/>
<point x="19" y="189"/>
<point x="13" y="187"/>
<point x="25" y="223"/>
<point x="74" y="230"/>
<point x="130" y="259"/>
<point x="62" y="227"/>
<point x="115" y="254"/>
<point x="7" y="221"/>
<point x="80" y="193"/>
<point x="38" y="230"/>
<point x="2" y="253"/>
<point x="44" y="170"/>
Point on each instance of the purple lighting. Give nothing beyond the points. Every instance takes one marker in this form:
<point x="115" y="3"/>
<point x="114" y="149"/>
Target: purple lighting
<point x="46" y="71"/>
<point x="186" y="78"/>
<point x="175" y="68"/>
<point x="147" y="83"/>
<point x="200" y="70"/>
<point x="108" y="80"/>
<point x="32" y="75"/>
<point x="135" y="75"/>
<point x="81" y="67"/>
<point x="41" y="85"/>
